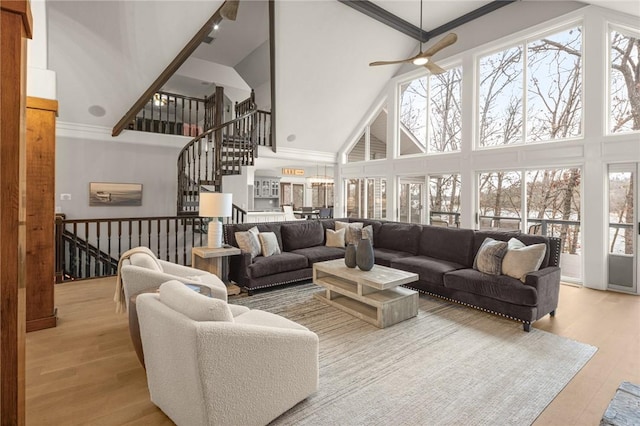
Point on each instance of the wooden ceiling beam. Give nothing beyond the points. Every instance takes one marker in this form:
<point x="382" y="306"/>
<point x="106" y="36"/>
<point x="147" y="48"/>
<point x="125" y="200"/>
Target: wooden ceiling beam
<point x="228" y="11"/>
<point x="379" y="14"/>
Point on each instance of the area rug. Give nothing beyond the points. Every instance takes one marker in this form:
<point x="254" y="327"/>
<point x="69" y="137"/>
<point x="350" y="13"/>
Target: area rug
<point x="450" y="365"/>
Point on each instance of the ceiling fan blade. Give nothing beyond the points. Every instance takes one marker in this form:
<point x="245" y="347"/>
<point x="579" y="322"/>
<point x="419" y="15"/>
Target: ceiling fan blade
<point x="401" y="61"/>
<point x="229" y="9"/>
<point x="447" y="40"/>
<point x="434" y="68"/>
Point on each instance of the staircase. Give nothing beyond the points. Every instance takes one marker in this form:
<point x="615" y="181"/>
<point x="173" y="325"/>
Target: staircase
<point x="219" y="151"/>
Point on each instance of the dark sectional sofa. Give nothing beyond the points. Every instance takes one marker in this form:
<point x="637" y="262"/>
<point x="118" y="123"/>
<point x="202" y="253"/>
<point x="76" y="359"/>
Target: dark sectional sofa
<point x="442" y="257"/>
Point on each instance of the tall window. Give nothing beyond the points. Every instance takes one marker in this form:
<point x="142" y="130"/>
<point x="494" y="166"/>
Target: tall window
<point x="624" y="91"/>
<point x="322" y="194"/>
<point x="372" y="144"/>
<point x="500" y="196"/>
<point x="291" y="194"/>
<point x="366" y="198"/>
<point x="551" y="107"/>
<point x="444" y="200"/>
<point x="430" y="113"/>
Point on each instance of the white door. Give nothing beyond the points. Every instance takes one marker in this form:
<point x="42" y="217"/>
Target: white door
<point x="623" y="227"/>
<point x="411" y="197"/>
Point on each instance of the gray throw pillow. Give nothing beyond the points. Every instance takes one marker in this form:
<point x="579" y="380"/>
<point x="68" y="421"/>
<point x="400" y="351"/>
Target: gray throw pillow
<point x="353" y="231"/>
<point x="248" y="241"/>
<point x="489" y="257"/>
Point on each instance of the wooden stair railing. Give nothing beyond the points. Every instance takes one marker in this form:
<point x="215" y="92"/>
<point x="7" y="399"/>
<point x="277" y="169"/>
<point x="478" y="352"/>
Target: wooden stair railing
<point x="219" y="151"/>
<point x="90" y="248"/>
<point x="173" y="114"/>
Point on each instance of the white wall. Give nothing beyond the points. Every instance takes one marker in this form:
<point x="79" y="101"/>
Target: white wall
<point x="41" y="82"/>
<point x="82" y="158"/>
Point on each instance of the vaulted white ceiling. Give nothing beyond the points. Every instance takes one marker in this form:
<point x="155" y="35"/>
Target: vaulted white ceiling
<point x="106" y="53"/>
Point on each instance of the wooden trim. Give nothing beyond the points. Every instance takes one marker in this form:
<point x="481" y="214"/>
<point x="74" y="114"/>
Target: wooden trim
<point x="15" y="27"/>
<point x="41" y="323"/>
<point x="171" y="69"/>
<point x="41" y="103"/>
<point x="272" y="70"/>
<point x="23" y="8"/>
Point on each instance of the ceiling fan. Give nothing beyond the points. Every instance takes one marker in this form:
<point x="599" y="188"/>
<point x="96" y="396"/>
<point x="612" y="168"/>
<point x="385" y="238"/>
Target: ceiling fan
<point x="424" y="58"/>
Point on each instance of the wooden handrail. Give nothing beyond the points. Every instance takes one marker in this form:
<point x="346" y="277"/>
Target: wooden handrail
<point x="226" y="10"/>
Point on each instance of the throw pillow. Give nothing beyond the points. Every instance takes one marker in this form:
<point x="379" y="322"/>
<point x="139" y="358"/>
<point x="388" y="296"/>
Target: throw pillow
<point x="353" y="231"/>
<point x="521" y="259"/>
<point x="145" y="261"/>
<point x="489" y="257"/>
<point x="192" y="304"/>
<point x="335" y="238"/>
<point x="248" y="241"/>
<point x="367" y="232"/>
<point x="269" y="243"/>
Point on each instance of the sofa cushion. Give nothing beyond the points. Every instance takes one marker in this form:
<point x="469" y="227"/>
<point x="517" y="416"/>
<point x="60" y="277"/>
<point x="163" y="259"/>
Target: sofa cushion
<point x="521" y="259"/>
<point x="231" y="229"/>
<point x="399" y="236"/>
<point x="353" y="231"/>
<point x="320" y="253"/>
<point x="489" y="256"/>
<point x="335" y="238"/>
<point x="429" y="269"/>
<point x="528" y="240"/>
<point x="269" y="244"/>
<point x="451" y="244"/>
<point x="146" y="261"/>
<point x="301" y="234"/>
<point x="480" y="236"/>
<point x="192" y="304"/>
<point x="267" y="319"/>
<point x="501" y="287"/>
<point x="248" y="241"/>
<point x="283" y="262"/>
<point x="384" y="256"/>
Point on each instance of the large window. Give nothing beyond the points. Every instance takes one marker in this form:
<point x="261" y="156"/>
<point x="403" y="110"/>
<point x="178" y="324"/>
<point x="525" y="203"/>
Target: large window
<point x="551" y="208"/>
<point x="551" y="106"/>
<point x="430" y="113"/>
<point x="291" y="194"/>
<point x="444" y="200"/>
<point x="372" y="144"/>
<point x="624" y="89"/>
<point x="366" y="198"/>
<point x="322" y="194"/>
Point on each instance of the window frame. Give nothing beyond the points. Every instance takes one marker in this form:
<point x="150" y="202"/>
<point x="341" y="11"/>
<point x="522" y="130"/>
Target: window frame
<point x="626" y="30"/>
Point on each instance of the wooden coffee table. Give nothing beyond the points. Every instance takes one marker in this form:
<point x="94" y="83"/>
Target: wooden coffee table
<point x="373" y="296"/>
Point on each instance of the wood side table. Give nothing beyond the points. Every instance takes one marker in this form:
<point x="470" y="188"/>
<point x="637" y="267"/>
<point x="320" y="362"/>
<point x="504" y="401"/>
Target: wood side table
<point x="215" y="260"/>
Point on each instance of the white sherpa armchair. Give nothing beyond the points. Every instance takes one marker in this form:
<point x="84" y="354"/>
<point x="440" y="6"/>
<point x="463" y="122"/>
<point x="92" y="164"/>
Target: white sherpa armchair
<point x="209" y="362"/>
<point x="139" y="269"/>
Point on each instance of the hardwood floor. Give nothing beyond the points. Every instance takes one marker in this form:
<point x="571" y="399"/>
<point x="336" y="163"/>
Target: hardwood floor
<point x="85" y="371"/>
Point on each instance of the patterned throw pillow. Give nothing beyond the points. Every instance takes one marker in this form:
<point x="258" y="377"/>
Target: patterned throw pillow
<point x="335" y="238"/>
<point x="248" y="241"/>
<point x="521" y="259"/>
<point x="353" y="231"/>
<point x="269" y="243"/>
<point x="489" y="257"/>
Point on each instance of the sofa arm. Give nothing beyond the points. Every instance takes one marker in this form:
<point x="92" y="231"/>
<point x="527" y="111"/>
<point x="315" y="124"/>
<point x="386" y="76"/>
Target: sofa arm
<point x="270" y="368"/>
<point x="239" y="268"/>
<point x="547" y="282"/>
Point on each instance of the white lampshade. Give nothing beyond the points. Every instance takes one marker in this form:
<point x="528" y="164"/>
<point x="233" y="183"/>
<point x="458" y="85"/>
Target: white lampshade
<point x="215" y="204"/>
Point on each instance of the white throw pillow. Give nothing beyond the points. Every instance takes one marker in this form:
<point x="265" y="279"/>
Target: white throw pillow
<point x="335" y="238"/>
<point x="521" y="259"/>
<point x="353" y="231"/>
<point x="143" y="260"/>
<point x="192" y="304"/>
<point x="248" y="241"/>
<point x="269" y="243"/>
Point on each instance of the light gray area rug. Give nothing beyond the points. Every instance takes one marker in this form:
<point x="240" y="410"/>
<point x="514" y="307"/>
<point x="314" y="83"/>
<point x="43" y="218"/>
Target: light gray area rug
<point x="450" y="365"/>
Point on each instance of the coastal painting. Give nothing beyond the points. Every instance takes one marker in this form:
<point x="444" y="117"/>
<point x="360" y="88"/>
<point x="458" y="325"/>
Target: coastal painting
<point x="115" y="194"/>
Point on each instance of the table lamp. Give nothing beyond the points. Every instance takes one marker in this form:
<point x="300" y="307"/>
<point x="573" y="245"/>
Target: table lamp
<point x="214" y="205"/>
